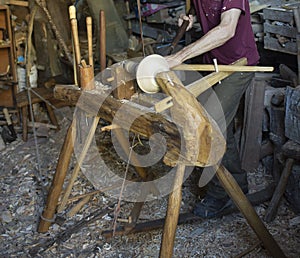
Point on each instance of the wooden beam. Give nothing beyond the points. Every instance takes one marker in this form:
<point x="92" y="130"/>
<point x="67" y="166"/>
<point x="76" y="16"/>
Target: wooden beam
<point x="132" y="116"/>
<point x="15" y="2"/>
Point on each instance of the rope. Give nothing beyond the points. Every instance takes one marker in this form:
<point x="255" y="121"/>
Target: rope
<point x="118" y="207"/>
<point x="28" y="68"/>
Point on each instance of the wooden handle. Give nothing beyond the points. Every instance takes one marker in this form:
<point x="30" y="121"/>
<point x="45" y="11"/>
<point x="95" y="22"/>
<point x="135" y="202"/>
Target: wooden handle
<point x="180" y="32"/>
<point x="72" y="12"/>
<point x="7" y="116"/>
<point x="102" y="26"/>
<point x="223" y="68"/>
<point x="76" y="40"/>
<point x="90" y="39"/>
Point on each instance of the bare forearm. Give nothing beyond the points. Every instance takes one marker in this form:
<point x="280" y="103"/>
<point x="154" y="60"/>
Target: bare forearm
<point x="213" y="39"/>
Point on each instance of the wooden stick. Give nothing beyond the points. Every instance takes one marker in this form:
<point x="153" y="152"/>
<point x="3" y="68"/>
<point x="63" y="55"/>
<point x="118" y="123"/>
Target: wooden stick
<point x="102" y="26"/>
<point x="107" y="188"/>
<point x="79" y="163"/>
<point x="90" y="39"/>
<point x="78" y="206"/>
<point x="38" y="124"/>
<point x="198" y="87"/>
<point x="57" y="183"/>
<point x="279" y="191"/>
<point x="167" y="244"/>
<point x="243" y="204"/>
<point x="223" y="68"/>
<point x="249" y="250"/>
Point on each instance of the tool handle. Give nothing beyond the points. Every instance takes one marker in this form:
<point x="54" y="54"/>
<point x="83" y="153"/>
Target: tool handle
<point x="72" y="12"/>
<point x="7" y="116"/>
<point x="76" y="40"/>
<point x="181" y="31"/>
<point x="90" y="39"/>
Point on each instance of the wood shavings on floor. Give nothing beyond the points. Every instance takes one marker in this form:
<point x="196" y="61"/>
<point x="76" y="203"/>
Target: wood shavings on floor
<point x="24" y="190"/>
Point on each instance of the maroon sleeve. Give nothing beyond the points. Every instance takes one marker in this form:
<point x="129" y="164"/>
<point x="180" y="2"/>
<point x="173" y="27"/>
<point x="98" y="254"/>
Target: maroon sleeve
<point x="230" y="4"/>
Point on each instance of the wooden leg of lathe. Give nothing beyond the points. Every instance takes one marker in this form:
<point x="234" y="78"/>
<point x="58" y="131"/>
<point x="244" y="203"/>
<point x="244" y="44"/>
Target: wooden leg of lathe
<point x="236" y="194"/>
<point x="167" y="244"/>
<point x="52" y="116"/>
<point x="59" y="177"/>
<point x="80" y="159"/>
<point x="24" y="123"/>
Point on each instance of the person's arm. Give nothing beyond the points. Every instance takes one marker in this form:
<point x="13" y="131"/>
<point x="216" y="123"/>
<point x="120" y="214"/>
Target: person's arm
<point x="212" y="39"/>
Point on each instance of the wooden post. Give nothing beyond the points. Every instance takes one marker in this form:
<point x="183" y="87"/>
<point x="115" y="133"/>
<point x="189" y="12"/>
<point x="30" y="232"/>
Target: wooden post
<point x="243" y="204"/>
<point x="86" y="77"/>
<point x="279" y="191"/>
<point x="167" y="244"/>
<point x="297" y="21"/>
<point x="59" y="177"/>
<point x="24" y="122"/>
<point x="80" y="159"/>
<point x="102" y="27"/>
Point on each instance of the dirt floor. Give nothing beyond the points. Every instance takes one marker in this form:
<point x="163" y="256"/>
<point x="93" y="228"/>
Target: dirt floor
<point x="25" y="177"/>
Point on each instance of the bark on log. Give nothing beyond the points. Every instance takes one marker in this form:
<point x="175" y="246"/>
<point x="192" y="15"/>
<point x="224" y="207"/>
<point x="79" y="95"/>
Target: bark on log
<point x="146" y="121"/>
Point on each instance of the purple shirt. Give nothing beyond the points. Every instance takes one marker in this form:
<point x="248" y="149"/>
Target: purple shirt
<point x="242" y="44"/>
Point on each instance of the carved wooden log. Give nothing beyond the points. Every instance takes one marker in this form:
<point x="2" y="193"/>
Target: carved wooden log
<point x="200" y="133"/>
<point x="146" y="121"/>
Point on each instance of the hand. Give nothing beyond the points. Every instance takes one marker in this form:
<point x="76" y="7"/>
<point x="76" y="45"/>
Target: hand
<point x="189" y="18"/>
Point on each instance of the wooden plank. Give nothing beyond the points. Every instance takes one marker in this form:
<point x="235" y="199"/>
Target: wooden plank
<point x="252" y="128"/>
<point x="278" y="14"/>
<point x="279" y="191"/>
<point x="298" y="56"/>
<point x="282" y="30"/>
<point x="292" y="115"/>
<point x="273" y="44"/>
